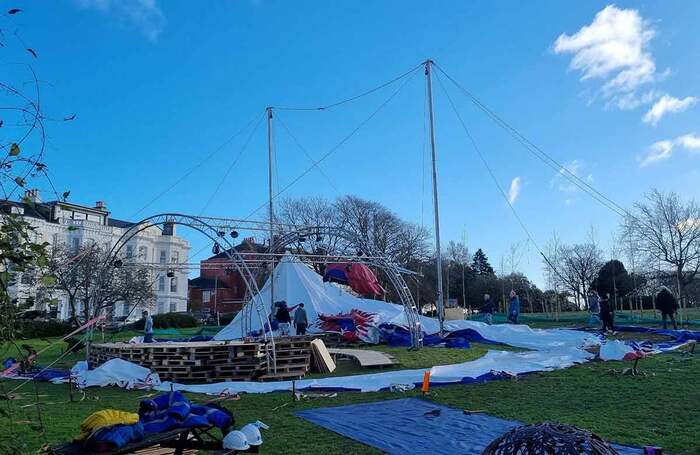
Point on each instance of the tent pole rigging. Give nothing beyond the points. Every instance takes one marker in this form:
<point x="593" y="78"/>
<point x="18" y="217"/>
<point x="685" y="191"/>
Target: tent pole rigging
<point x="440" y="299"/>
<point x="271" y="213"/>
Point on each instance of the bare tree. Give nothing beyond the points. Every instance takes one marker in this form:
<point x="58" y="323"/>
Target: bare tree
<point x="667" y="231"/>
<point x="93" y="282"/>
<point x="573" y="267"/>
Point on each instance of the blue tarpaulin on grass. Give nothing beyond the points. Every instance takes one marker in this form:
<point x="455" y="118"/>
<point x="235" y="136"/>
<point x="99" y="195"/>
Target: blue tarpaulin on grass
<point x="415" y="426"/>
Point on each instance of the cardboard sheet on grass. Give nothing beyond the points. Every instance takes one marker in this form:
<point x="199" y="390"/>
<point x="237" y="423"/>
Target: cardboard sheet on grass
<point x="322" y="358"/>
<point x="402" y="426"/>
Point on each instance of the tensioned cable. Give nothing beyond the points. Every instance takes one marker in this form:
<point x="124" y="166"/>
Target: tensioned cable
<point x="305" y="152"/>
<point x="334" y="148"/>
<point x="195" y="167"/>
<point x="353" y="98"/>
<point x="493" y="176"/>
<point x="539" y="153"/>
<point x="231" y="166"/>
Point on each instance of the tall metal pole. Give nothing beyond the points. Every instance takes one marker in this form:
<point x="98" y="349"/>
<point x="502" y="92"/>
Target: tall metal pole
<point x="271" y="212"/>
<point x="440" y="299"/>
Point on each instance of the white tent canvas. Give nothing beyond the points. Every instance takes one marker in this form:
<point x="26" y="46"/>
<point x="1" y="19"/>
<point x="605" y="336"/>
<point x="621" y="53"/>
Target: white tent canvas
<point x="296" y="283"/>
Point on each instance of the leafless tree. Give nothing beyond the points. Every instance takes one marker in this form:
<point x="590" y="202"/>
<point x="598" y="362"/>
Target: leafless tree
<point x="573" y="267"/>
<point x="89" y="277"/>
<point x="666" y="230"/>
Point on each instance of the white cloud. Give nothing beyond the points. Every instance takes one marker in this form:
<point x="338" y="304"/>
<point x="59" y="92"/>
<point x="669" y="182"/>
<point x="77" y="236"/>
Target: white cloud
<point x="658" y="151"/>
<point x="612" y="48"/>
<point x="514" y="190"/>
<point x="665" y="105"/>
<point x="562" y="179"/>
<point x="145" y="15"/>
<point x="662" y="150"/>
<point x="689" y="141"/>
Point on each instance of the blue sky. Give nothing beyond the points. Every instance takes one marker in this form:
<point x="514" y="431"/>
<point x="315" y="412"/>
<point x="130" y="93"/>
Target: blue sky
<point x="157" y="86"/>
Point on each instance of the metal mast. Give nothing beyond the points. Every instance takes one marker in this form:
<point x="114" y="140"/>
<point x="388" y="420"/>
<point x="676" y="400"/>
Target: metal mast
<point x="271" y="212"/>
<point x="440" y="298"/>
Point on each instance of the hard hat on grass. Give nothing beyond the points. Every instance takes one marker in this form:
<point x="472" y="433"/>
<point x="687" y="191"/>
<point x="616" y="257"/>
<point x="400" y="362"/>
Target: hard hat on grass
<point x="236" y="440"/>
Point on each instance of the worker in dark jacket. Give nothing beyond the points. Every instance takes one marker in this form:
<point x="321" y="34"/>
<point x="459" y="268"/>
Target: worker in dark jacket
<point x="487" y="308"/>
<point x="284" y="320"/>
<point x="667" y="304"/>
<point x="606" y="314"/>
<point x="513" y="307"/>
<point x="301" y="321"/>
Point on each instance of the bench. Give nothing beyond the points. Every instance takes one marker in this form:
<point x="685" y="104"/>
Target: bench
<point x="181" y="440"/>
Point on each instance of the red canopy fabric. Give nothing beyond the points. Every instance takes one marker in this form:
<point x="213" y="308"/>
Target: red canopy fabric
<point x="360" y="277"/>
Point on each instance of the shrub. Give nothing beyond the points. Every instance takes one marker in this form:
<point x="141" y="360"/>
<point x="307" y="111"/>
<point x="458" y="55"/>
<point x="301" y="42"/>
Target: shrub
<point x="42" y="329"/>
<point x="169" y="321"/>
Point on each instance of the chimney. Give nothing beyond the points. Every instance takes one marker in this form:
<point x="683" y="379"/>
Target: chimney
<point x="100" y="205"/>
<point x="33" y="196"/>
<point x="168" y="228"/>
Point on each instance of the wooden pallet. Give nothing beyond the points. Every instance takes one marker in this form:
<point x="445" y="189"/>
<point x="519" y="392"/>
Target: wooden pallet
<point x="210" y="361"/>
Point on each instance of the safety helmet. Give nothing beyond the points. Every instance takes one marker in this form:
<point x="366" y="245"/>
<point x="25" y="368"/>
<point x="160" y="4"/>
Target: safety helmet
<point x="236" y="440"/>
<point x="252" y="434"/>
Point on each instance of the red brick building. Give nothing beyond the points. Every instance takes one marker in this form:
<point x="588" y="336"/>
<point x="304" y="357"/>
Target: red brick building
<point x="219" y="287"/>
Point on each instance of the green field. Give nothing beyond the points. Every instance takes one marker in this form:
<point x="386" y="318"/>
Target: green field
<point x="660" y="408"/>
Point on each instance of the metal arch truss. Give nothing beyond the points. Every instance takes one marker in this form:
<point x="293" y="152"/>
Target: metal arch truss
<point x="369" y="257"/>
<point x="218" y="237"/>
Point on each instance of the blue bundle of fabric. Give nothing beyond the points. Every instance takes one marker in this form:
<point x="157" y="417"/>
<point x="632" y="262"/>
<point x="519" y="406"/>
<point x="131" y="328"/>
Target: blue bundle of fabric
<point x="399" y="336"/>
<point x="118" y="435"/>
<point x="173" y="410"/>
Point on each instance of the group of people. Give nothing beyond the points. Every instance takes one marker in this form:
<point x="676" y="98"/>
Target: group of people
<point x="488" y="308"/>
<point x="603" y="310"/>
<point x="285" y="321"/>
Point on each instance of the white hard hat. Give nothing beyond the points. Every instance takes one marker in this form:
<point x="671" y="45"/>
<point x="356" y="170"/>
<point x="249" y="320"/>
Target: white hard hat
<point x="236" y="440"/>
<point x="252" y="434"/>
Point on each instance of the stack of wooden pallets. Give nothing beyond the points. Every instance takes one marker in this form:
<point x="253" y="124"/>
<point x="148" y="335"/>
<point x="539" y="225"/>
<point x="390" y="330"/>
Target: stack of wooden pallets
<point x="211" y="361"/>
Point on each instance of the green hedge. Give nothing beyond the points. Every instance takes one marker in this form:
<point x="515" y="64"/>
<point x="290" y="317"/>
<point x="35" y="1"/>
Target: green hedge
<point x="42" y="329"/>
<point x="169" y="321"/>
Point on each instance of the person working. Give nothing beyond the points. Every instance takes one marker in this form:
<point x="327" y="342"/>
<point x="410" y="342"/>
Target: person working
<point x="594" y="308"/>
<point x="606" y="314"/>
<point x="487" y="308"/>
<point x="283" y="319"/>
<point x="667" y="304"/>
<point x="300" y="320"/>
<point x="513" y="307"/>
<point x="147" y="327"/>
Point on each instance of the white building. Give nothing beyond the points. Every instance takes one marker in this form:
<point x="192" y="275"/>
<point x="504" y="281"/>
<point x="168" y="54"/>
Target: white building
<point x="75" y="225"/>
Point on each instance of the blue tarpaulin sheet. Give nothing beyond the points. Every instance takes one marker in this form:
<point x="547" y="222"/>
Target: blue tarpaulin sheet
<point x="415" y="426"/>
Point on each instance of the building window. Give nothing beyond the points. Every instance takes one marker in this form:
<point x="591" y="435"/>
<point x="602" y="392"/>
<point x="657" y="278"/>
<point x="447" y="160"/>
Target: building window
<point x="54" y="239"/>
<point x="75" y="243"/>
<point x="206" y="296"/>
<point x="162" y="256"/>
<point x="126" y="309"/>
<point x="143" y="253"/>
<point x="173" y="307"/>
<point x="175" y="258"/>
<point x="130" y="251"/>
<point x="161" y="283"/>
<point x="173" y="284"/>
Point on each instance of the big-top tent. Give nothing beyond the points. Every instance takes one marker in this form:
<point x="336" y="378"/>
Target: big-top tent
<point x="330" y="308"/>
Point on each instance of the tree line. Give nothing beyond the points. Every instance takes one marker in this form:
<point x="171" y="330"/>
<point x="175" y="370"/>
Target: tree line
<point x="658" y="239"/>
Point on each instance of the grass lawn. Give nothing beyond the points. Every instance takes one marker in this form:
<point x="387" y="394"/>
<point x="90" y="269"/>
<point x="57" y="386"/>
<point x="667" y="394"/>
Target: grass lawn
<point x="662" y="408"/>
